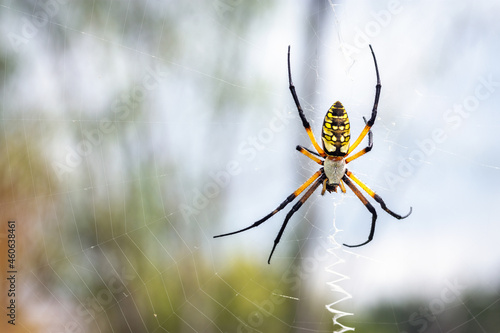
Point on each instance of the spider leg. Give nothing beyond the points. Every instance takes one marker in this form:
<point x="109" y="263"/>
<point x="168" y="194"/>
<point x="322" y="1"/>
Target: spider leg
<point x="367" y="205"/>
<point x="289" y="199"/>
<point x="309" y="150"/>
<point x="309" y="153"/>
<point x="375" y="196"/>
<point x="305" y="123"/>
<point x="292" y="211"/>
<point x="342" y="187"/>
<point x="365" y="150"/>
<point x="371" y="121"/>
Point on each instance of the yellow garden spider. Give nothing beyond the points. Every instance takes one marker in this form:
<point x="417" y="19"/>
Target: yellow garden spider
<point x="333" y="158"/>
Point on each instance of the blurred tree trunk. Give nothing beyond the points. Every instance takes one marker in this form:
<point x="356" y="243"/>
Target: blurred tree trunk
<point x="308" y="313"/>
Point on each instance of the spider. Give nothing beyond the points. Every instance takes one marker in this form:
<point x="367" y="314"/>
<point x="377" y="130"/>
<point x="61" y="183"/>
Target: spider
<point x="333" y="157"/>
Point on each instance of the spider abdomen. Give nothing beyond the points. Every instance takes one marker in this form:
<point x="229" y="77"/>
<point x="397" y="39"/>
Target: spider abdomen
<point x="336" y="131"/>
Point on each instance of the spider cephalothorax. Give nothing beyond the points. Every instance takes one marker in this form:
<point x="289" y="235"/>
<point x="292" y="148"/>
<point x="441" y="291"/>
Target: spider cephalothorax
<point x="333" y="157"/>
<point x="334" y="169"/>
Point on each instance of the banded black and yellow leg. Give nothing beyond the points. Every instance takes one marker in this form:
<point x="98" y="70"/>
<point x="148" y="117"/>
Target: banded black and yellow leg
<point x="292" y="211"/>
<point x="375" y="196"/>
<point x="305" y="123"/>
<point x="289" y="199"/>
<point x="365" y="150"/>
<point x="371" y="121"/>
<point x="368" y="206"/>
<point x="312" y="155"/>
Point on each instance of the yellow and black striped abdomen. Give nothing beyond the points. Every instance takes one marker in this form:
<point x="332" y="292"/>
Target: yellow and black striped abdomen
<point x="336" y="131"/>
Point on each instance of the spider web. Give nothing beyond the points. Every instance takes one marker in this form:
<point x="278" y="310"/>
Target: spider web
<point x="133" y="132"/>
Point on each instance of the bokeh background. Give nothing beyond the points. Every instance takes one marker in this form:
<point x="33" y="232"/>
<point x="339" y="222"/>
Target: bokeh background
<point x="132" y="132"/>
